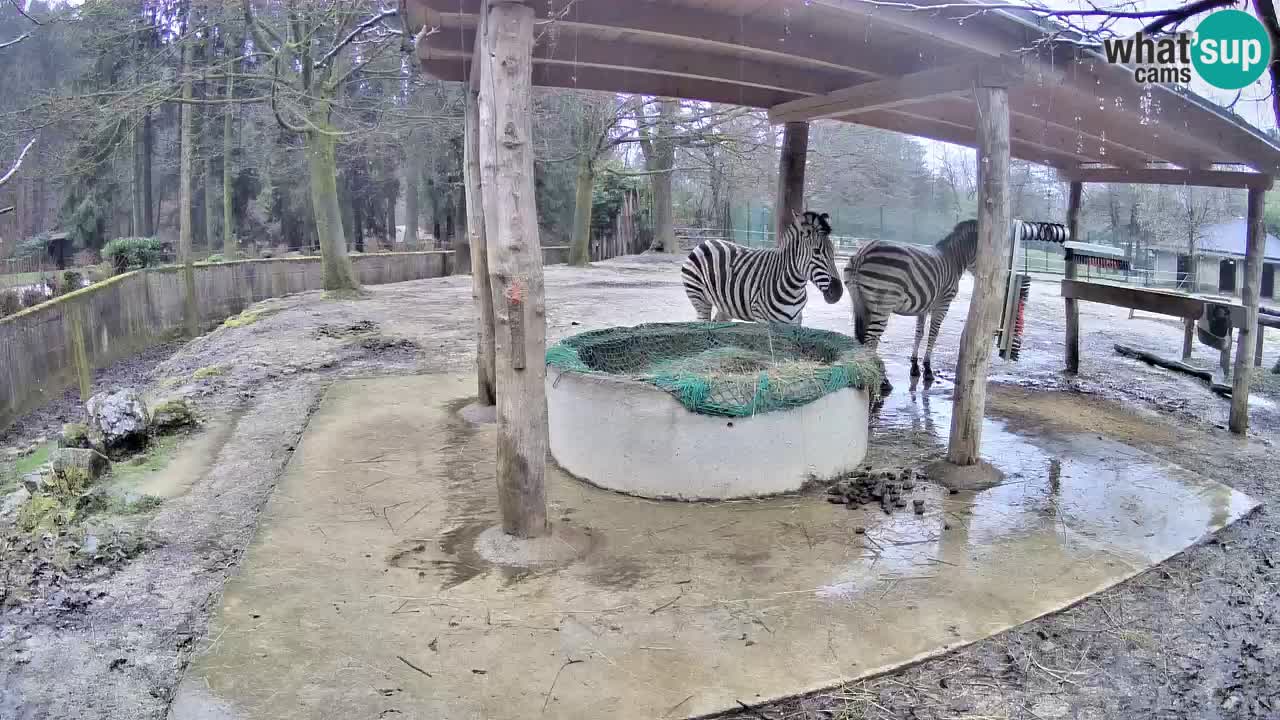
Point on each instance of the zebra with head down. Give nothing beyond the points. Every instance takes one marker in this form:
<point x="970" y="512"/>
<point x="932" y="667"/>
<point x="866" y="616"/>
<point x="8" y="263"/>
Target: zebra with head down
<point x="886" y="279"/>
<point x="764" y="285"/>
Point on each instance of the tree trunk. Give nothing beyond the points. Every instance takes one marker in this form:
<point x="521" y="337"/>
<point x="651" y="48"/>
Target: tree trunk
<point x="229" y="249"/>
<point x="988" y="278"/>
<point x="357" y="224"/>
<point x="139" y="207"/>
<point x="411" y="174"/>
<point x="791" y="166"/>
<point x="1249" y="297"/>
<point x="664" y="158"/>
<point x="580" y="243"/>
<point x="210" y="183"/>
<point x="515" y="266"/>
<point x="339" y="275"/>
<point x="150" y="210"/>
<point x="481" y="293"/>
<point x="1075" y="194"/>
<point x="184" y="195"/>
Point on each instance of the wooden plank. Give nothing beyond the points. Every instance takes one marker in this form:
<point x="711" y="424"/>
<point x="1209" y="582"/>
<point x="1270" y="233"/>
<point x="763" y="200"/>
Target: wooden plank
<point x="1170" y="176"/>
<point x="1137" y="298"/>
<point x="580" y="49"/>
<point x="959" y="134"/>
<point x="765" y="36"/>
<point x="1082" y="146"/>
<point x="904" y="90"/>
<point x="515" y="265"/>
<point x="791" y="164"/>
<point x="481" y="293"/>
<point x="1095" y="120"/>
<point x="1254" y="248"/>
<point x="636" y="82"/>
<point x="1188" y="337"/>
<point x="989" y="276"/>
<point x="1074" y="195"/>
<point x="1257" y="348"/>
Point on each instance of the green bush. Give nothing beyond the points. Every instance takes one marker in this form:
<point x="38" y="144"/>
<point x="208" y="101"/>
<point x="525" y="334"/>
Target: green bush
<point x="214" y="258"/>
<point x="133" y="253"/>
<point x="70" y="281"/>
<point x="10" y="302"/>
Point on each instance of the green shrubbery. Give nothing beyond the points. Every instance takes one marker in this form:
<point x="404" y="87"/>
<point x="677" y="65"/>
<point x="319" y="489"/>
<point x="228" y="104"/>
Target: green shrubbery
<point x="133" y="253"/>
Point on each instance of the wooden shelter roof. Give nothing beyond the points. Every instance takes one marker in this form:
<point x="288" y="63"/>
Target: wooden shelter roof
<point x="907" y="70"/>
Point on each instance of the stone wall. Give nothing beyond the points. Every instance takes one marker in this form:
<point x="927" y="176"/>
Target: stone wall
<point x="56" y="345"/>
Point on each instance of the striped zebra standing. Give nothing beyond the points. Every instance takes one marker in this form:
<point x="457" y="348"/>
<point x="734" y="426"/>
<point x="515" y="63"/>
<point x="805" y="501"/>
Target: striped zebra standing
<point x="890" y="279"/>
<point x="764" y="285"/>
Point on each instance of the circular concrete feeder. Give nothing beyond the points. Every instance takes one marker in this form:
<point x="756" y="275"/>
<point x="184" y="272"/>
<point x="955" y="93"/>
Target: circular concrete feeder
<point x="625" y="433"/>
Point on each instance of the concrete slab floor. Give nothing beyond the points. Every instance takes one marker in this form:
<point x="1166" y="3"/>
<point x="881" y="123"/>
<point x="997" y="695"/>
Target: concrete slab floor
<point x="363" y="595"/>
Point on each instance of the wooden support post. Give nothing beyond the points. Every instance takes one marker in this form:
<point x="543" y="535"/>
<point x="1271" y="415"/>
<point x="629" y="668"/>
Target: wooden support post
<point x="515" y="265"/>
<point x="1188" y="337"/>
<point x="989" y="276"/>
<point x="1249" y="298"/>
<point x="795" y="149"/>
<point x="1073" y="310"/>
<point x="1257" y="348"/>
<point x="481" y="293"/>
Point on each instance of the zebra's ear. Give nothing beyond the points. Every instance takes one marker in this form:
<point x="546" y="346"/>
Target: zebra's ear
<point x="797" y="216"/>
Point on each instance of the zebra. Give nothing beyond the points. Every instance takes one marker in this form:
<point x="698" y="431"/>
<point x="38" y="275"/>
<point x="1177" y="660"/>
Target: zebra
<point x="886" y="279"/>
<point x="764" y="285"/>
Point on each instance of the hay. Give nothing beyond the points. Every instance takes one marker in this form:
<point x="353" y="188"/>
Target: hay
<point x="724" y="369"/>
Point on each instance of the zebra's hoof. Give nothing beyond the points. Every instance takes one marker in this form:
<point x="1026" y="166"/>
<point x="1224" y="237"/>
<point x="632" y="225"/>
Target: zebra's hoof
<point x="885" y="387"/>
<point x="915" y="368"/>
<point x="928" y="374"/>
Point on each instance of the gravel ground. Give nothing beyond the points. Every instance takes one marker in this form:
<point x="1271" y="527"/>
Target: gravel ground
<point x="1195" y="637"/>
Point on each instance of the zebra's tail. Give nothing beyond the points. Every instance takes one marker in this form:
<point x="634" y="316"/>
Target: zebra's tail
<point x="856" y="306"/>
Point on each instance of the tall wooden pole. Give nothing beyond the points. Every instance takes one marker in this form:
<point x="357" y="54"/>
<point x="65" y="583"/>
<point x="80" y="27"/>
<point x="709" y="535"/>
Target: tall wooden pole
<point x="989" y="276"/>
<point x="1249" y="298"/>
<point x="515" y="265"/>
<point x="481" y="293"/>
<point x="795" y="149"/>
<point x="1073" y="311"/>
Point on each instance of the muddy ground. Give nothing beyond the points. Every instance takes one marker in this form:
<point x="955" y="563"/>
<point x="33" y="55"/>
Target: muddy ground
<point x="1196" y="637"/>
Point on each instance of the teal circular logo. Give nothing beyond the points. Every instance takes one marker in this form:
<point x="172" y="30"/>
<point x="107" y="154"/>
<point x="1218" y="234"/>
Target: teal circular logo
<point x="1232" y="49"/>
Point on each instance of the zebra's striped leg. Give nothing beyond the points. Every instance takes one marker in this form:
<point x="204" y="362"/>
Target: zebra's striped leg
<point x="935" y="324"/>
<point x="722" y="315"/>
<point x="915" y="349"/>
<point x="701" y="301"/>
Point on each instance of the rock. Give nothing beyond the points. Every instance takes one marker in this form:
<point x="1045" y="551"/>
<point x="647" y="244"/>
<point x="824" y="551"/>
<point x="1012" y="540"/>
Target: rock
<point x="14" y="500"/>
<point x="89" y="546"/>
<point x="74" y="435"/>
<point x="118" y="421"/>
<point x="33" y="481"/>
<point x="919" y="506"/>
<point x="172" y="415"/>
<point x="78" y="468"/>
<point x="96" y="500"/>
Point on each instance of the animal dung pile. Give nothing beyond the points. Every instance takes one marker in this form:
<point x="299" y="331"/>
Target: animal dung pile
<point x="886" y="486"/>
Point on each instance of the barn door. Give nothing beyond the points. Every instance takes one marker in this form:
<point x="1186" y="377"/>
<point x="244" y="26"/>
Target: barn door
<point x="1227" y="276"/>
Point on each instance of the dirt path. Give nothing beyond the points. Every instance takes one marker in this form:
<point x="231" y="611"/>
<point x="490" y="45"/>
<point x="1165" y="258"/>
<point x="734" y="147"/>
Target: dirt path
<point x="1194" y="638"/>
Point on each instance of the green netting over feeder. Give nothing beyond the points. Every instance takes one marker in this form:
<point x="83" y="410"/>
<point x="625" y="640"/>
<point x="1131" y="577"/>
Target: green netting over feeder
<point x="724" y="369"/>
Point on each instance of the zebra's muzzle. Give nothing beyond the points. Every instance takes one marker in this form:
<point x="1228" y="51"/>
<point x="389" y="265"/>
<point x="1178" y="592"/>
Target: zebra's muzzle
<point x="834" y="292"/>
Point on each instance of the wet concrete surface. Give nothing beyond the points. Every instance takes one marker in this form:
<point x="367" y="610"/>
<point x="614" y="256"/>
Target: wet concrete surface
<point x="363" y="594"/>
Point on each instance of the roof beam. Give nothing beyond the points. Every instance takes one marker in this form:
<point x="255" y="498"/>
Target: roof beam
<point x="958" y="134"/>
<point x="608" y="80"/>
<point x="1169" y="176"/>
<point x="893" y="92"/>
<point x="584" y="50"/>
<point x="761" y="35"/>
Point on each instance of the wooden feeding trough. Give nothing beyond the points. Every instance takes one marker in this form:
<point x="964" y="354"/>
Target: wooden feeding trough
<point x="1007" y="82"/>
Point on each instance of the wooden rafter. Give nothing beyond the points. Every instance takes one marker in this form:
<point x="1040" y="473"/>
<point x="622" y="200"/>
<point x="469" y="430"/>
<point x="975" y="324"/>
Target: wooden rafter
<point x="892" y="92"/>
<point x="1169" y="176"/>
